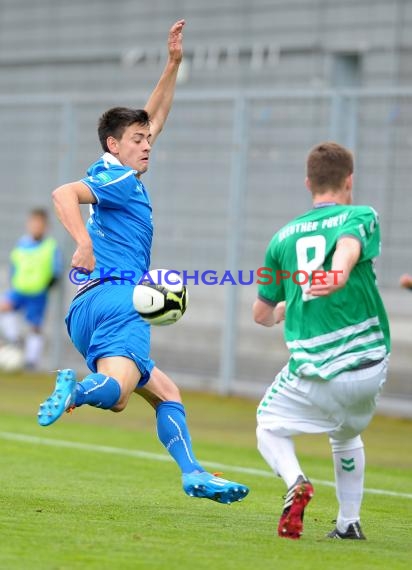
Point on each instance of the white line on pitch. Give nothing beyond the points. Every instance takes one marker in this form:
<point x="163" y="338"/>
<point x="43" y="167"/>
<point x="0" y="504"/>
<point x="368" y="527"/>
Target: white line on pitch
<point x="23" y="438"/>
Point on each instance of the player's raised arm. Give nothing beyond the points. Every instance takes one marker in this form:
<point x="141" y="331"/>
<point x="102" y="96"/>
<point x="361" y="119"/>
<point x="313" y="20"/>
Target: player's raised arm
<point x="160" y="101"/>
<point x="67" y="200"/>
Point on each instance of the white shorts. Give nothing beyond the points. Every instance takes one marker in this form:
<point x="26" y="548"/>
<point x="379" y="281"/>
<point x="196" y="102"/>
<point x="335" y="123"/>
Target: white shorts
<point x="341" y="407"/>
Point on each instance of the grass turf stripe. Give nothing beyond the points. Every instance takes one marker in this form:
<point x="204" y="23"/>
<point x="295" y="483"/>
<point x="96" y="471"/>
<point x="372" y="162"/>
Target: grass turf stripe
<point x="25" y="438"/>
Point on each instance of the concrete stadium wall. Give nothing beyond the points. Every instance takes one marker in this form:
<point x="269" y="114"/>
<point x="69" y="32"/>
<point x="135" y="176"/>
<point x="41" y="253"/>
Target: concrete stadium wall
<point x="56" y="46"/>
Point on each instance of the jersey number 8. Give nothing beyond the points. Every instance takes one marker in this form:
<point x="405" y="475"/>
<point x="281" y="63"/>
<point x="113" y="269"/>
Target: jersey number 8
<point x="316" y="247"/>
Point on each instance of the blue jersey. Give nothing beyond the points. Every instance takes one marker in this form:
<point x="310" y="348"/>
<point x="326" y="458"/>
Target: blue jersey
<point x="120" y="223"/>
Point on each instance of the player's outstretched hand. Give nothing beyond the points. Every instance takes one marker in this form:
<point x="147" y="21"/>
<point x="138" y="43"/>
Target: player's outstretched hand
<point x="406" y="281"/>
<point x="175" y="41"/>
<point x="84" y="257"/>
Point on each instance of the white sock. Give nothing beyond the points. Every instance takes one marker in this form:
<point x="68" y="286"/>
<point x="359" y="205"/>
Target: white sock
<point x="33" y="349"/>
<point x="9" y="323"/>
<point x="279" y="453"/>
<point x="349" y="462"/>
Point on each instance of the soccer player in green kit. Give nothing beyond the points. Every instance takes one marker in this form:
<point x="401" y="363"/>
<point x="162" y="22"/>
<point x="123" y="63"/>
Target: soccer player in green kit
<point x="337" y="332"/>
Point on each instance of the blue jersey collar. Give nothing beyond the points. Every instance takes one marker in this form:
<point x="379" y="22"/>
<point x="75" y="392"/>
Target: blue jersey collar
<point x="108" y="159"/>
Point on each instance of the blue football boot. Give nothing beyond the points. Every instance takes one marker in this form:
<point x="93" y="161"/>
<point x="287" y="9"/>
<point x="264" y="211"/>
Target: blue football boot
<point x="61" y="400"/>
<point x="208" y="486"/>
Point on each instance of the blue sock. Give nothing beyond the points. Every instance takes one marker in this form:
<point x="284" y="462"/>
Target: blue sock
<point x="174" y="434"/>
<point x="98" y="390"/>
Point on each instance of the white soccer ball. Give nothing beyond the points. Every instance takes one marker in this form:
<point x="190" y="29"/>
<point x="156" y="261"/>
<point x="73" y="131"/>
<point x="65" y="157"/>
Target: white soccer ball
<point x="11" y="358"/>
<point x="160" y="297"/>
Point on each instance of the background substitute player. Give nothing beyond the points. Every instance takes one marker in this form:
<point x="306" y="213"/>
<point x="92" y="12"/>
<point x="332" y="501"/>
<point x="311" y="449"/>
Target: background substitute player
<point x="337" y="332"/>
<point x="36" y="264"/>
<point x="102" y="321"/>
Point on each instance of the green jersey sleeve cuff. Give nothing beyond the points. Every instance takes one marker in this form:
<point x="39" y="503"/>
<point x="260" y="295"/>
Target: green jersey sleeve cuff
<point x="353" y="236"/>
<point x="267" y="301"/>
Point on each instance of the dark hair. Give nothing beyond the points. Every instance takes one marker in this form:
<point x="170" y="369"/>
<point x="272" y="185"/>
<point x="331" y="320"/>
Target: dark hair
<point x="40" y="213"/>
<point x="328" y="165"/>
<point x="114" y="122"/>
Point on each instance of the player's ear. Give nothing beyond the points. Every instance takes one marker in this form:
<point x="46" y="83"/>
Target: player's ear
<point x="112" y="145"/>
<point x="307" y="184"/>
<point x="349" y="182"/>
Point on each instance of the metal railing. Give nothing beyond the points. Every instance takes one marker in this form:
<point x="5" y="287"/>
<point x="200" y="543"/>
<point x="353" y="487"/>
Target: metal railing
<point x="225" y="175"/>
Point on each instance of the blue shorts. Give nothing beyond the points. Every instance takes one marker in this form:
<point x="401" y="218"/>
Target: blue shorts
<point x="102" y="322"/>
<point x="32" y="306"/>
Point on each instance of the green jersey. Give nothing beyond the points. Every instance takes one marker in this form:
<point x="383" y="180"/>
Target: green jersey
<point x="342" y="331"/>
<point x="33" y="266"/>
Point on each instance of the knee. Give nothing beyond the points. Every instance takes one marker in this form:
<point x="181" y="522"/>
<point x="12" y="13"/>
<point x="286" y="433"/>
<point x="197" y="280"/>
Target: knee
<point x="118" y="408"/>
<point x="346" y="444"/>
<point x="261" y="438"/>
<point x="172" y="393"/>
<point x="163" y="388"/>
<point x="120" y="405"/>
<point x="160" y="388"/>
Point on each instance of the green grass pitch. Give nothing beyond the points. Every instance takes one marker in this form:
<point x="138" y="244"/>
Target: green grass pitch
<point x="108" y="498"/>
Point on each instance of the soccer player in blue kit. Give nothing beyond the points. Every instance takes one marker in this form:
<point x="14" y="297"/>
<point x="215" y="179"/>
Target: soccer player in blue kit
<point x="102" y="322"/>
